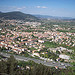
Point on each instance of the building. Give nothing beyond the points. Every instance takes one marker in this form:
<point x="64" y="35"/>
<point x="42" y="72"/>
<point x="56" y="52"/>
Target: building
<point x="64" y="56"/>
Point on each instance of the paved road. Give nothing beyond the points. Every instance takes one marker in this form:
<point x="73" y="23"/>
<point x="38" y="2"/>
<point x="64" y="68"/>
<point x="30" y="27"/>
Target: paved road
<point x="52" y="64"/>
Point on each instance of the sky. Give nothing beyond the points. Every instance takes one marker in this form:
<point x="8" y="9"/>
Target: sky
<point x="61" y="8"/>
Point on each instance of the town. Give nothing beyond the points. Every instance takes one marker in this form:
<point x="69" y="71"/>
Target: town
<point x="37" y="37"/>
<point x="34" y="40"/>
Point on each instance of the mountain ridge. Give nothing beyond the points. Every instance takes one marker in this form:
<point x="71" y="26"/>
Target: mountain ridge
<point x="53" y="17"/>
<point x="18" y="16"/>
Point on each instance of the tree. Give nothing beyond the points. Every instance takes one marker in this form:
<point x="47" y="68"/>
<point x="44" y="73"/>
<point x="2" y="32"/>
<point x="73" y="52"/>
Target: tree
<point x="12" y="65"/>
<point x="3" y="67"/>
<point x="57" y="52"/>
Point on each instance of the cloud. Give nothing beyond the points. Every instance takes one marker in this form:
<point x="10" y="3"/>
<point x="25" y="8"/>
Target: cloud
<point x="20" y="8"/>
<point x="44" y="7"/>
<point x="41" y="7"/>
<point x="11" y="8"/>
<point x="38" y="6"/>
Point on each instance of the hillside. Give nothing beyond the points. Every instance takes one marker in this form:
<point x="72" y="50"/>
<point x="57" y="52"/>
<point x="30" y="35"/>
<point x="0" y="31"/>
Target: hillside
<point x="18" y="16"/>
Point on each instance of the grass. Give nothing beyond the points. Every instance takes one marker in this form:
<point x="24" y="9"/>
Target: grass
<point x="50" y="44"/>
<point x="72" y="31"/>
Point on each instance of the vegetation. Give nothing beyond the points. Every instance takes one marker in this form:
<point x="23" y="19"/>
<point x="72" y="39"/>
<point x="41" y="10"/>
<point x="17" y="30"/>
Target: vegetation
<point x="25" y="54"/>
<point x="50" y="44"/>
<point x="18" y="16"/>
<point x="72" y="31"/>
<point x="3" y="49"/>
<point x="14" y="67"/>
<point x="49" y="55"/>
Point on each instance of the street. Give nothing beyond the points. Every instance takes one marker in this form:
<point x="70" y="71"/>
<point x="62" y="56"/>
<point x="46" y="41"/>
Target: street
<point x="50" y="63"/>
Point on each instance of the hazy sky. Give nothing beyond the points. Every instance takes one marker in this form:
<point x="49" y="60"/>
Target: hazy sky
<point x="65" y="8"/>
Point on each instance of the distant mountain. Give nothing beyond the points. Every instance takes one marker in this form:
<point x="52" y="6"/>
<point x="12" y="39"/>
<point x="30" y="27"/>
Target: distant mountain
<point x="0" y="12"/>
<point x="18" y="16"/>
<point x="53" y="17"/>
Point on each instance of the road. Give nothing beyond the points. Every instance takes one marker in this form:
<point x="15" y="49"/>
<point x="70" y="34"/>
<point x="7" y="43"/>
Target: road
<point x="52" y="64"/>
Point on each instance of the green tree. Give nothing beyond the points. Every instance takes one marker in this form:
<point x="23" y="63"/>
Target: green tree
<point x="3" y="67"/>
<point x="12" y="65"/>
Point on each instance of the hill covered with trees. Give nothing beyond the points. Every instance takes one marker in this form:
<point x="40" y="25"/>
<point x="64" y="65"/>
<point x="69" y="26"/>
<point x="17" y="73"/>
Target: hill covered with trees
<point x="18" y="16"/>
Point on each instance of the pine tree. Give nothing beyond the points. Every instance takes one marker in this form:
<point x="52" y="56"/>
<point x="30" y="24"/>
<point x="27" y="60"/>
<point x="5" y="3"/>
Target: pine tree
<point x="12" y="65"/>
<point x="3" y="67"/>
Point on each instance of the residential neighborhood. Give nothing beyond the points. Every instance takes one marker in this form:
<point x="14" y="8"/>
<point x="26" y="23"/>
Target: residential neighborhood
<point x="36" y="41"/>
